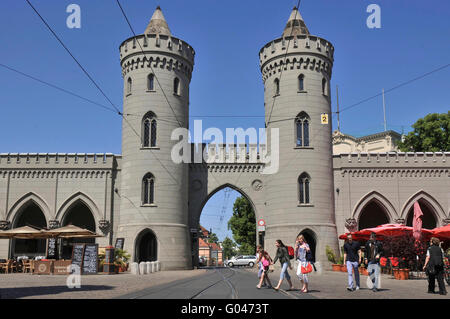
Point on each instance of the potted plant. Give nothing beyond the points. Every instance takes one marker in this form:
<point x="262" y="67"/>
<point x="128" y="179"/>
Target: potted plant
<point x="332" y="259"/>
<point x="410" y="252"/>
<point x="121" y="258"/>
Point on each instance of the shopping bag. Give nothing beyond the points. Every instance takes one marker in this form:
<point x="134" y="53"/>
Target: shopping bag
<point x="307" y="269"/>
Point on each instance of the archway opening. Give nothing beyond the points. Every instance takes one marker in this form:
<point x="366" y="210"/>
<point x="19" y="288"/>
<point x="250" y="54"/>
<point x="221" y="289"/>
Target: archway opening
<point x="29" y="215"/>
<point x="228" y="228"/>
<point x="79" y="214"/>
<point x="428" y="218"/>
<point x="146" y="247"/>
<point x="373" y="215"/>
<point x="311" y="240"/>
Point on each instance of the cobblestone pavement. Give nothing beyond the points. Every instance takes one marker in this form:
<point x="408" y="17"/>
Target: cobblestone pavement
<point x="92" y="286"/>
<point x="325" y="284"/>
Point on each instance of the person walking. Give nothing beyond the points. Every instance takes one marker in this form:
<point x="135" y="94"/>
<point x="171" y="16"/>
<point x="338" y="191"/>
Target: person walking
<point x="263" y="263"/>
<point x="283" y="256"/>
<point x="373" y="252"/>
<point x="434" y="266"/>
<point x="352" y="260"/>
<point x="301" y="251"/>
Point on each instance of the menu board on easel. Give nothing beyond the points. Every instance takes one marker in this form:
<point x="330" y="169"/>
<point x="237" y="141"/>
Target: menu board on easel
<point x="119" y="243"/>
<point x="77" y="255"/>
<point x="51" y="248"/>
<point x="90" y="259"/>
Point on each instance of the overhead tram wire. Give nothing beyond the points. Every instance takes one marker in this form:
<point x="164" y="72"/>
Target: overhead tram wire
<point x="284" y="63"/>
<point x="73" y="57"/>
<point x="95" y="83"/>
<point x="57" y="88"/>
<point x="395" y="87"/>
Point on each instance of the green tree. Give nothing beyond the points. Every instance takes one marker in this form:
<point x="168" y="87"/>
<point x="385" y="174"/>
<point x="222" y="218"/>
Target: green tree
<point x="243" y="225"/>
<point x="228" y="246"/>
<point x="430" y="134"/>
<point x="213" y="238"/>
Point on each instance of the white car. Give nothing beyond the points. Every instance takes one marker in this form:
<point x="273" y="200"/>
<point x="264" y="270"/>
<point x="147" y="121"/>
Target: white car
<point x="242" y="260"/>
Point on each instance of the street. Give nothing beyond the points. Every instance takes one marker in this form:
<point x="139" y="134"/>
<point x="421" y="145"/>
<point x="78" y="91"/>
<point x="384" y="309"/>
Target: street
<point x="216" y="283"/>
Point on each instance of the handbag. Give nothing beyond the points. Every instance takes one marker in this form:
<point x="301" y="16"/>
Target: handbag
<point x="307" y="269"/>
<point x="430" y="270"/>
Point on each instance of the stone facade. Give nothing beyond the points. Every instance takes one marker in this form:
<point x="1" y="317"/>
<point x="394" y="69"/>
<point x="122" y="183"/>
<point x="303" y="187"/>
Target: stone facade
<point x="375" y="143"/>
<point x="155" y="204"/>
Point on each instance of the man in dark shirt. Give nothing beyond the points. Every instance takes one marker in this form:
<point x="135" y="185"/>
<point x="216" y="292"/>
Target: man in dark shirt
<point x="373" y="252"/>
<point x="352" y="259"/>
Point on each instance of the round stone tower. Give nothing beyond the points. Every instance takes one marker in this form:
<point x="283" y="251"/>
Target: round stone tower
<point x="296" y="70"/>
<point x="156" y="69"/>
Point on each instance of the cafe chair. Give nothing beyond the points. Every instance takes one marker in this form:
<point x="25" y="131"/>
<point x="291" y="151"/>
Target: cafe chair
<point x="9" y="266"/>
<point x="28" y="266"/>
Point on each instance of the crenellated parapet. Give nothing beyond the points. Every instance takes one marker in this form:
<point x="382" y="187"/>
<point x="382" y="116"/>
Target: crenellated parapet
<point x="235" y="153"/>
<point x="385" y="165"/>
<point x="159" y="51"/>
<point x="35" y="161"/>
<point x="303" y="52"/>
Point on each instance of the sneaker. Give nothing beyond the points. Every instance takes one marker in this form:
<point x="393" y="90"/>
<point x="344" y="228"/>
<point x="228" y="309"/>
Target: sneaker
<point x="357" y="288"/>
<point x="263" y="285"/>
<point x="443" y="293"/>
<point x="431" y="292"/>
<point x="374" y="289"/>
<point x="349" y="288"/>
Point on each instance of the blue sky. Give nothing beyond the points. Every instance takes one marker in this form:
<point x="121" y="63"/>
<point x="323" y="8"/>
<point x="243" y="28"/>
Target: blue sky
<point x="227" y="36"/>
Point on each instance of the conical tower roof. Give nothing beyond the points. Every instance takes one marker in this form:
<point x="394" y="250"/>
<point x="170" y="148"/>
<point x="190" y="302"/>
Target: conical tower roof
<point x="295" y="25"/>
<point x="158" y="24"/>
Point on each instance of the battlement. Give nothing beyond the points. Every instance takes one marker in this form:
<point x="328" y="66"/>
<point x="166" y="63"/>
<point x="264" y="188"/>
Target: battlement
<point x="392" y="159"/>
<point x="168" y="46"/>
<point x="298" y="45"/>
<point x="233" y="153"/>
<point x="55" y="160"/>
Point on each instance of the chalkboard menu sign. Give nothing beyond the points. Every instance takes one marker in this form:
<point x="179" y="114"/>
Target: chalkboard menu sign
<point x="90" y="259"/>
<point x="119" y="243"/>
<point x="77" y="255"/>
<point x="51" y="248"/>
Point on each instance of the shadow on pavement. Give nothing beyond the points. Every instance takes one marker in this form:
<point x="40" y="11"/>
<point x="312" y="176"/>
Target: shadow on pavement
<point x="21" y="292"/>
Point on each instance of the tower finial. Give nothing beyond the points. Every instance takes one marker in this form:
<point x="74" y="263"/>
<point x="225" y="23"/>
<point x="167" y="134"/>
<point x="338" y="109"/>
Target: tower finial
<point x="158" y="24"/>
<point x="295" y="25"/>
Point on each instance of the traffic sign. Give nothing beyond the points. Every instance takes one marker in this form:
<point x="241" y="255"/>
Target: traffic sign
<point x="261" y="222"/>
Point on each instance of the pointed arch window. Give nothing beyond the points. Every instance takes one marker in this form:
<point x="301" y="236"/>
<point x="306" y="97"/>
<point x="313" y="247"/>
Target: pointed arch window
<point x="149" y="130"/>
<point x="302" y="130"/>
<point x="129" y="85"/>
<point x="304" y="183"/>
<point x="150" y="82"/>
<point x="276" y="84"/>
<point x="148" y="189"/>
<point x="301" y="83"/>
<point x="324" y="87"/>
<point x="176" y="86"/>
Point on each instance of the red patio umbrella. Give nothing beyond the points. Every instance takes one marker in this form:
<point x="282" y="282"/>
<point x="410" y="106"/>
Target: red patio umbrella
<point x="386" y="230"/>
<point x="442" y="233"/>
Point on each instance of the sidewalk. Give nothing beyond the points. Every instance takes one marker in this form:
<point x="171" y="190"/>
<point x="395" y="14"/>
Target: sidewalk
<point x="326" y="284"/>
<point x="92" y="286"/>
